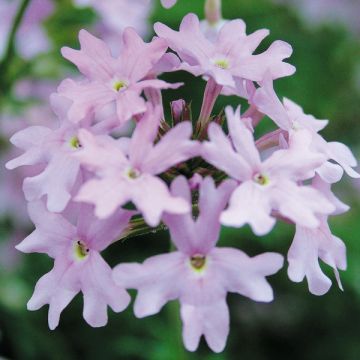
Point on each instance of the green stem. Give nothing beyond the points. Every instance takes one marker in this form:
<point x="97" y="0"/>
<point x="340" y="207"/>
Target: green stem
<point x="10" y="47"/>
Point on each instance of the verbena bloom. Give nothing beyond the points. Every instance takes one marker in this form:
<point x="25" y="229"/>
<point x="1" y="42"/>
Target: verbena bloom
<point x="52" y="149"/>
<point x="199" y="274"/>
<point x="229" y="59"/>
<point x="290" y="117"/>
<point x="130" y="173"/>
<point x="309" y="245"/>
<point x="265" y="185"/>
<point x="118" y="80"/>
<point x="83" y="174"/>
<point x="78" y="265"/>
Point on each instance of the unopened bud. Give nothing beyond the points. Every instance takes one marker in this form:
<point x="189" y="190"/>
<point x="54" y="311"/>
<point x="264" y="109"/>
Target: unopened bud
<point x="177" y="110"/>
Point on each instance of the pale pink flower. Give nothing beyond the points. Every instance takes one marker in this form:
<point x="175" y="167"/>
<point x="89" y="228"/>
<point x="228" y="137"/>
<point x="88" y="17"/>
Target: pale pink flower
<point x="12" y="199"/>
<point x="290" y="117"/>
<point x="129" y="173"/>
<point x="199" y="274"/>
<point x="78" y="265"/>
<point x="230" y="58"/>
<point x="309" y="245"/>
<point x="266" y="185"/>
<point x="31" y="38"/>
<point x="112" y="80"/>
<point x="52" y="149"/>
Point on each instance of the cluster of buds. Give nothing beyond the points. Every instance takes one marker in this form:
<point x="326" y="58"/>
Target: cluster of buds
<point x="95" y="186"/>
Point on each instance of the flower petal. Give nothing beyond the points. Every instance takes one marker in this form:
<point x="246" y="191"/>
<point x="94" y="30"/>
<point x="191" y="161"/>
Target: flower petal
<point x="51" y="233"/>
<point x="245" y="275"/>
<point x="99" y="291"/>
<point x="307" y="247"/>
<point x="250" y="204"/>
<point x="86" y="97"/>
<point x="175" y="147"/>
<point x="220" y="153"/>
<point x="106" y="194"/>
<point x="56" y="182"/>
<point x="152" y="197"/>
<point x="94" y="59"/>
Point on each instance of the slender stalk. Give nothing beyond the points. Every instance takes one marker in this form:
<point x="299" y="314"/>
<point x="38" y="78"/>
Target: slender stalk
<point x="10" y="47"/>
<point x="212" y="91"/>
<point x="155" y="98"/>
<point x="213" y="11"/>
<point x="269" y="140"/>
<point x="255" y="115"/>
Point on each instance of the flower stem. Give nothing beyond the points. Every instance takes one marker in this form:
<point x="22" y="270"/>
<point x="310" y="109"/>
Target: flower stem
<point x="213" y="11"/>
<point x="255" y="115"/>
<point x="269" y="140"/>
<point x="212" y="91"/>
<point x="10" y="47"/>
<point x="155" y="98"/>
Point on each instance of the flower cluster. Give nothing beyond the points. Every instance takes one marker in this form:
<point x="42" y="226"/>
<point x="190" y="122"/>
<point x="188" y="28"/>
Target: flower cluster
<point x="93" y="185"/>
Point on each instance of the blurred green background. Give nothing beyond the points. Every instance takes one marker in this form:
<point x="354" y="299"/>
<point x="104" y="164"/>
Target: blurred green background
<point x="297" y="325"/>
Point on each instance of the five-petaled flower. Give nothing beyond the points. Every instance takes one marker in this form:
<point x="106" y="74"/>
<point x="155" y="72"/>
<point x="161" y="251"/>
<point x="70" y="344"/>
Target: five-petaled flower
<point x="53" y="149"/>
<point x="199" y="274"/>
<point x="129" y="173"/>
<point x="118" y="80"/>
<point x="229" y="60"/>
<point x="78" y="265"/>
<point x="266" y="185"/>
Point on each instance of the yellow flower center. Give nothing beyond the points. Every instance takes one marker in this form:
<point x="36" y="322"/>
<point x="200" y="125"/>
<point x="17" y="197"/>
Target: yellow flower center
<point x="261" y="179"/>
<point x="222" y="63"/>
<point x="198" y="262"/>
<point x="81" y="252"/>
<point x="133" y="173"/>
<point x="74" y="142"/>
<point x="119" y="85"/>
